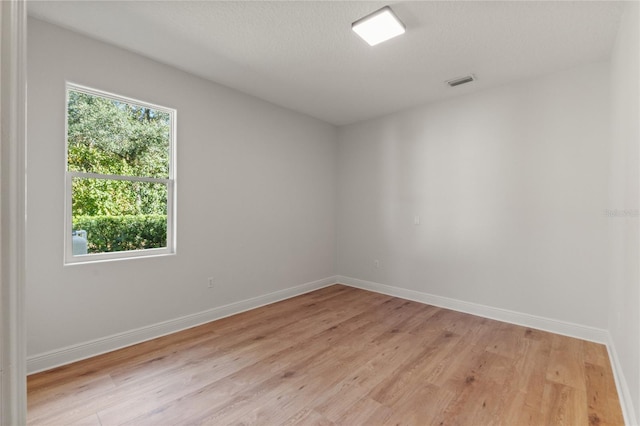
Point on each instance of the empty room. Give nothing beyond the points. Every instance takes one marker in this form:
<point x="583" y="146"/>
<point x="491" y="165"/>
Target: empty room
<point x="254" y="213"/>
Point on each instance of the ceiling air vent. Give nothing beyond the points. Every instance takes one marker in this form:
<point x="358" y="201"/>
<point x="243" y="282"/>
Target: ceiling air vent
<point x="462" y="80"/>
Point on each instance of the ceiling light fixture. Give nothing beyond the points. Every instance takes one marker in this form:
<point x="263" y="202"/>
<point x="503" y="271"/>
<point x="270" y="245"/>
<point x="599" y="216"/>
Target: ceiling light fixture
<point x="378" y="26"/>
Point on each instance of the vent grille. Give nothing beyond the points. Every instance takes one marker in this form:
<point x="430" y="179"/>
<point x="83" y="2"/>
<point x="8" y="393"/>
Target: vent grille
<point x="462" y="80"/>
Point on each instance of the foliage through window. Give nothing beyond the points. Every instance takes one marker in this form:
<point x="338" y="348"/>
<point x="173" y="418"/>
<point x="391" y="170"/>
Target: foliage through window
<point x="120" y="183"/>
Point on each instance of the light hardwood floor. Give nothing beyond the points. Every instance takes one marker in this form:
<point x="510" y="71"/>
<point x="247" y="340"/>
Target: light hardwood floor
<point x="338" y="355"/>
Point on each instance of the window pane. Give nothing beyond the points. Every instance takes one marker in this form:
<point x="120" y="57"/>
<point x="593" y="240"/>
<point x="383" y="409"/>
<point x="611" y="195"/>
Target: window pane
<point x="118" y="215"/>
<point x="108" y="136"/>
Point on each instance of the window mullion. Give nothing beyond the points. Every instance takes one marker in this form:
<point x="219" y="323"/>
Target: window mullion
<point x="118" y="177"/>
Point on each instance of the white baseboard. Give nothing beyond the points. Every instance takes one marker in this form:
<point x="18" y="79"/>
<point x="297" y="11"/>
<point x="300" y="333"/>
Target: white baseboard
<point x="69" y="354"/>
<point x="626" y="402"/>
<point x="554" y="326"/>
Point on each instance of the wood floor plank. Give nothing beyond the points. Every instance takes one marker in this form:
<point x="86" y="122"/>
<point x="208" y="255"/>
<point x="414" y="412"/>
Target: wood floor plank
<point x="595" y="354"/>
<point x="69" y="404"/>
<point x="308" y="416"/>
<point x="333" y="403"/>
<point x="91" y="420"/>
<point x="412" y="407"/>
<point x="602" y="409"/>
<point x="414" y="371"/>
<point x="337" y="356"/>
<point x="564" y="405"/>
<point x="566" y="362"/>
<point x="529" y="379"/>
<point x="360" y="412"/>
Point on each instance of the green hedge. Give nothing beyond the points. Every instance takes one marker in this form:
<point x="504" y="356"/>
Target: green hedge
<point x="119" y="233"/>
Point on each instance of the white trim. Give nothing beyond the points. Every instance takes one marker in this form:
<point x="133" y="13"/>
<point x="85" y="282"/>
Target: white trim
<point x="83" y="259"/>
<point x="626" y="402"/>
<point x="120" y="98"/>
<point x="13" y="391"/>
<point x="554" y="326"/>
<point x="58" y="357"/>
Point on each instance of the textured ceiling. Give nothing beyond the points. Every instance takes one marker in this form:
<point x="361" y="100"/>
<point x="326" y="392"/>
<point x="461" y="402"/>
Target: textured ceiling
<point x="304" y="56"/>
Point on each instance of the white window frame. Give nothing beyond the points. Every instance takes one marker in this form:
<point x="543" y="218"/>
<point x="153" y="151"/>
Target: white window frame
<point x="69" y="258"/>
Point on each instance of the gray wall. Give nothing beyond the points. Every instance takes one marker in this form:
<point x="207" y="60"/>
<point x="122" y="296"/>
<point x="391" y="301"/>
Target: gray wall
<point x="510" y="185"/>
<point x="255" y="187"/>
<point x="624" y="278"/>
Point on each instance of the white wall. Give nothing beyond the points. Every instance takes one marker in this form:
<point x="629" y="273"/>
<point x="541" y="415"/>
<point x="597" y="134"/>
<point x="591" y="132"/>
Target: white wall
<point x="256" y="198"/>
<point x="510" y="185"/>
<point x="624" y="278"/>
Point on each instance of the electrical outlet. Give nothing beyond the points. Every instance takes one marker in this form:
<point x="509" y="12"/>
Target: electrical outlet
<point x="210" y="280"/>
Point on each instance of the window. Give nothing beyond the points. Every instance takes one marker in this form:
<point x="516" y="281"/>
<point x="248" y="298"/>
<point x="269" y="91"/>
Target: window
<point x="120" y="177"/>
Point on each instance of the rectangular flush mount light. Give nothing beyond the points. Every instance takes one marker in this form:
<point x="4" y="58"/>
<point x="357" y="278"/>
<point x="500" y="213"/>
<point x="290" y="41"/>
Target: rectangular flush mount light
<point x="379" y="26"/>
